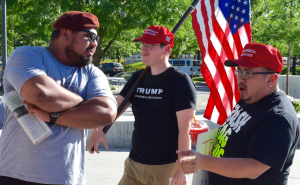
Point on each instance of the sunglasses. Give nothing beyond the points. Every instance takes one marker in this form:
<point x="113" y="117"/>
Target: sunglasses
<point x="92" y="36"/>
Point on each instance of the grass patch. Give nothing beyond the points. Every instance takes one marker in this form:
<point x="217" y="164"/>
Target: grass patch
<point x="283" y="72"/>
<point x="198" y="80"/>
<point x="126" y="77"/>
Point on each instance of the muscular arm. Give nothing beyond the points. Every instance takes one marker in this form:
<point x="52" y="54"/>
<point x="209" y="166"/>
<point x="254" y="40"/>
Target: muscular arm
<point x="46" y="94"/>
<point x="119" y="100"/>
<point x="98" y="136"/>
<point x="96" y="112"/>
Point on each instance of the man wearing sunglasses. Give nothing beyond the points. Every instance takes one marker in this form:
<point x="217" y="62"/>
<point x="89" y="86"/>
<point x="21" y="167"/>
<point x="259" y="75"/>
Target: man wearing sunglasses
<point x="163" y="106"/>
<point x="256" y="144"/>
<point x="62" y="87"/>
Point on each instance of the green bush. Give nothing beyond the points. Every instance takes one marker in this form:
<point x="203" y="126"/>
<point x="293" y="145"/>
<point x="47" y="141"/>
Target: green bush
<point x="296" y="105"/>
<point x="127" y="68"/>
<point x="283" y="71"/>
<point x="135" y="67"/>
<point x="112" y="88"/>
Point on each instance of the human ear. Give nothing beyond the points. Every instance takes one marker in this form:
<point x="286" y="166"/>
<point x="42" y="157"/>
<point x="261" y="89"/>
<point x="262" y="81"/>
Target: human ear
<point x="64" y="34"/>
<point x="168" y="47"/>
<point x="272" y="80"/>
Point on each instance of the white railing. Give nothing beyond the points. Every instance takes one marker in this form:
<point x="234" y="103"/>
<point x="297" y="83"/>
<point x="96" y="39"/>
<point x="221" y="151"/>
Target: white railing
<point x="116" y="82"/>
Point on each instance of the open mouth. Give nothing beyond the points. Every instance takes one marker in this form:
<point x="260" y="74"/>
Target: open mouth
<point x="242" y="88"/>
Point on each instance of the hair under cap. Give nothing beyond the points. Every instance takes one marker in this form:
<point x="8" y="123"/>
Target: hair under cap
<point x="75" y="20"/>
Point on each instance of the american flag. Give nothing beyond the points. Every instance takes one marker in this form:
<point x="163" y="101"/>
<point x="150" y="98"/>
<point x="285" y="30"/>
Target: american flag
<point x="222" y="29"/>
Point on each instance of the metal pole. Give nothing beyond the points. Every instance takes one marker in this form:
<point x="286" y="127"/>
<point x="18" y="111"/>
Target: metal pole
<point x="294" y="65"/>
<point x="4" y="38"/>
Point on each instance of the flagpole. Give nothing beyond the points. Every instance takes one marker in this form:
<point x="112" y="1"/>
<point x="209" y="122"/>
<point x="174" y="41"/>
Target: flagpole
<point x="134" y="87"/>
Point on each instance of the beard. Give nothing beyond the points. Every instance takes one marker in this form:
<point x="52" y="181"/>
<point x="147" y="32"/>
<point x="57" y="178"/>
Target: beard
<point x="75" y="58"/>
<point x="246" y="99"/>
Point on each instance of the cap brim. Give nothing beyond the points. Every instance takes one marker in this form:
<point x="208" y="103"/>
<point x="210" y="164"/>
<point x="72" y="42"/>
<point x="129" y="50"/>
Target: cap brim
<point x="146" y="40"/>
<point x="240" y="62"/>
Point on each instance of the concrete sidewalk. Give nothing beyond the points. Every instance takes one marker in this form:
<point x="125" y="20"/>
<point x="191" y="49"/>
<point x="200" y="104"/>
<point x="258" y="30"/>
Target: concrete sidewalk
<point x="107" y="167"/>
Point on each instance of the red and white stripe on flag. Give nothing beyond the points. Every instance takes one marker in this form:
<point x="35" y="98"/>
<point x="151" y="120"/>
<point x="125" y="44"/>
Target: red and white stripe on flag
<point x="221" y="37"/>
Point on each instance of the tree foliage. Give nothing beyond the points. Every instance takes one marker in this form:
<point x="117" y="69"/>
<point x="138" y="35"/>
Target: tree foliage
<point x="277" y="23"/>
<point x="29" y="22"/>
<point x="274" y="22"/>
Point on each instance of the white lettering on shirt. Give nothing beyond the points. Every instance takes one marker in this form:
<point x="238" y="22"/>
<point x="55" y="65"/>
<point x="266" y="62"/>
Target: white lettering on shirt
<point x="148" y="91"/>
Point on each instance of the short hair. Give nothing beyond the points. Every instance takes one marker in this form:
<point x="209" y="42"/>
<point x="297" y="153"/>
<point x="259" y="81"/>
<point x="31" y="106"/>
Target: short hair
<point x="55" y="34"/>
<point x="270" y="70"/>
<point x="163" y="44"/>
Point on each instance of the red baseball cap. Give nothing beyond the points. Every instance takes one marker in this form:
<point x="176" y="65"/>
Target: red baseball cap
<point x="258" y="55"/>
<point x="76" y="20"/>
<point x="157" y="34"/>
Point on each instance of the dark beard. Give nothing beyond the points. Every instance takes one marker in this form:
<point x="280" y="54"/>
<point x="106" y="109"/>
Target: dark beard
<point x="75" y="58"/>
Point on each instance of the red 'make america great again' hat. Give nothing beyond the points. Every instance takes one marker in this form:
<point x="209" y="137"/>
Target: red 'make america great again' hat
<point x="157" y="34"/>
<point x="76" y="20"/>
<point x="258" y="55"/>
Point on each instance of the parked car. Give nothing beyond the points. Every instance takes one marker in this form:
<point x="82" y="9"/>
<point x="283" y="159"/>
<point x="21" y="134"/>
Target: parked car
<point x="189" y="66"/>
<point x="110" y="69"/>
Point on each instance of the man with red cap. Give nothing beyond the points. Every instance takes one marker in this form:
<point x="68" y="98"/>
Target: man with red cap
<point x="62" y="87"/>
<point x="257" y="143"/>
<point x="163" y="106"/>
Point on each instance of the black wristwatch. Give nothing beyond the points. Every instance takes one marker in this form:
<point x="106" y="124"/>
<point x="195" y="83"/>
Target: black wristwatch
<point x="53" y="117"/>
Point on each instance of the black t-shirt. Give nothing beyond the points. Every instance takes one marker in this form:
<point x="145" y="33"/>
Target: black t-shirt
<point x="266" y="131"/>
<point x="154" y="106"/>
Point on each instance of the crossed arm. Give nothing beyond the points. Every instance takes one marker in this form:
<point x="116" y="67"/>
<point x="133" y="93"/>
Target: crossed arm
<point x="98" y="135"/>
<point x="44" y="95"/>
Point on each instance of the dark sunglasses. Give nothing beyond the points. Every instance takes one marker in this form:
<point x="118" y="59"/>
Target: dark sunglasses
<point x="92" y="36"/>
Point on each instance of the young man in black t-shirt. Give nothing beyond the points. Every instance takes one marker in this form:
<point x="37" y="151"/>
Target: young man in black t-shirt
<point x="256" y="144"/>
<point x="163" y="106"/>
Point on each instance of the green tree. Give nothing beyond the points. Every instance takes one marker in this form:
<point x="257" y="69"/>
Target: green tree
<point x="277" y="23"/>
<point x="30" y="21"/>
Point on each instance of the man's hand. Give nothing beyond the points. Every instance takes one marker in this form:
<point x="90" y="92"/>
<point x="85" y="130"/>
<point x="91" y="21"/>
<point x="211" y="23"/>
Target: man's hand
<point x="43" y="115"/>
<point x="97" y="136"/>
<point x="179" y="178"/>
<point x="190" y="161"/>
